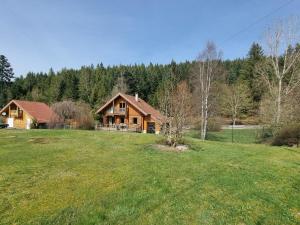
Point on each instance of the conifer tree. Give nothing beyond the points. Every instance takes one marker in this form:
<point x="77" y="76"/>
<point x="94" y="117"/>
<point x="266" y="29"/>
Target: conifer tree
<point x="6" y="75"/>
<point x="6" y="71"/>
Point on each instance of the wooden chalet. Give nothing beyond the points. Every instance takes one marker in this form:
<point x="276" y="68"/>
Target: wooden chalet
<point x="130" y="113"/>
<point x="21" y="114"/>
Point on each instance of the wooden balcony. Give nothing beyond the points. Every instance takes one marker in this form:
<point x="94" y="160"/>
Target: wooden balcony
<point x="121" y="112"/>
<point x="117" y="127"/>
<point x="16" y="113"/>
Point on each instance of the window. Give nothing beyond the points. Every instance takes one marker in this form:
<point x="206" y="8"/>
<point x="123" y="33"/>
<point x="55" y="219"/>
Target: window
<point x="122" y="106"/>
<point x="110" y="110"/>
<point x="134" y="120"/>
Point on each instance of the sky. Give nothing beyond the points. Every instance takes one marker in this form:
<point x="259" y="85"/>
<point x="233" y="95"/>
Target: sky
<point x="38" y="35"/>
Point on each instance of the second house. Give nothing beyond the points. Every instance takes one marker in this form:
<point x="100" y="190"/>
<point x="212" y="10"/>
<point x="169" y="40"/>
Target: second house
<point x="130" y="112"/>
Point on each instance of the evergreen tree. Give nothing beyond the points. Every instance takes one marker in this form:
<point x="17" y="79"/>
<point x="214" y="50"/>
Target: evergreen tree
<point x="6" y="75"/>
<point x="6" y="71"/>
<point x="248" y="74"/>
<point x="256" y="52"/>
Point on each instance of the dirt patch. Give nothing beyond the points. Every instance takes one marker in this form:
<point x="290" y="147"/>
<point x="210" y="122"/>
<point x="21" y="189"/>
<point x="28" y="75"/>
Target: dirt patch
<point x="43" y="140"/>
<point x="298" y="215"/>
<point x="179" y="148"/>
<point x="10" y="137"/>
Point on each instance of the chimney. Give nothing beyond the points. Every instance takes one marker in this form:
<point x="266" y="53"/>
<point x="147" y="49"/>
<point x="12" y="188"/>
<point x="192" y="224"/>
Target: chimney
<point x="136" y="97"/>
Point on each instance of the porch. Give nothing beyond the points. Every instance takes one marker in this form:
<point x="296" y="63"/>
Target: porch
<point x="117" y="127"/>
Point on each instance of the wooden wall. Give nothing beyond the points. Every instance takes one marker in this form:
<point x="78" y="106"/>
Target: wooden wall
<point x="19" y="122"/>
<point x="131" y="113"/>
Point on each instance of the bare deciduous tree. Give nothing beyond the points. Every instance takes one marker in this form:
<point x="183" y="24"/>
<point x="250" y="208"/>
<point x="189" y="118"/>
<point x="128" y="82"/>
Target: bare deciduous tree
<point x="67" y="112"/>
<point x="120" y="86"/>
<point x="235" y="98"/>
<point x="289" y="116"/>
<point x="206" y="69"/>
<point x="175" y="104"/>
<point x="280" y="69"/>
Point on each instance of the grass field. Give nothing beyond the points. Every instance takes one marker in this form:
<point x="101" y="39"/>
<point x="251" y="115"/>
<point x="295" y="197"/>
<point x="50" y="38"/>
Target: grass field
<point x="88" y="177"/>
<point x="244" y="136"/>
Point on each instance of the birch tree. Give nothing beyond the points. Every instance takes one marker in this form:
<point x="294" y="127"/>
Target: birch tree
<point x="207" y="68"/>
<point x="280" y="70"/>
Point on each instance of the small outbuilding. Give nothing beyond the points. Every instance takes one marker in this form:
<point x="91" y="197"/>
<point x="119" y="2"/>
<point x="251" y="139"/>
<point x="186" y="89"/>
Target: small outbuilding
<point x="21" y="114"/>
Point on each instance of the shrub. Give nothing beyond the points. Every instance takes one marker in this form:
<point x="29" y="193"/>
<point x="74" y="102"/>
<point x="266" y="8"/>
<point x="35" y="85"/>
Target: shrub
<point x="34" y="124"/>
<point x="264" y="135"/>
<point x="288" y="136"/>
<point x="72" y="114"/>
<point x="84" y="117"/>
<point x="55" y="122"/>
<point x="214" y="124"/>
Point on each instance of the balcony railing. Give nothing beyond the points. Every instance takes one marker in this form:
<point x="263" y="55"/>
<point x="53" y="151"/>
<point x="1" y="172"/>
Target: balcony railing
<point x="118" y="111"/>
<point x="117" y="127"/>
<point x="16" y="113"/>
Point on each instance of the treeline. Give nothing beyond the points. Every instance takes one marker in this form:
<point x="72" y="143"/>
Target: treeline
<point x="95" y="84"/>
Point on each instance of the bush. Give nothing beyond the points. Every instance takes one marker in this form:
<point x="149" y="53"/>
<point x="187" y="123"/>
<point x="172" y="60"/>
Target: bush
<point x="34" y="124"/>
<point x="73" y="115"/>
<point x="214" y="124"/>
<point x="288" y="136"/>
<point x="84" y="117"/>
<point x="265" y="135"/>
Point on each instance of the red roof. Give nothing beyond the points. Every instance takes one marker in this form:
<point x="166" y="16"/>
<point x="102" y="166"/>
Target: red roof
<point x="38" y="110"/>
<point x="140" y="105"/>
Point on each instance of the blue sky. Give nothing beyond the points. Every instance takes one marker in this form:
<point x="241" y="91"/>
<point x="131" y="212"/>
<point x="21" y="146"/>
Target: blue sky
<point x="36" y="35"/>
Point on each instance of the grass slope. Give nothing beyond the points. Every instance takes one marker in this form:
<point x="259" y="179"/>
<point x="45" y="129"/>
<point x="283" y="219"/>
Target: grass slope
<point x="86" y="177"/>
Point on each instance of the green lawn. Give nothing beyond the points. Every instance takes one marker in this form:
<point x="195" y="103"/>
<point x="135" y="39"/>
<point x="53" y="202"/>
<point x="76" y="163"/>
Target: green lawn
<point x="88" y="177"/>
<point x="245" y="136"/>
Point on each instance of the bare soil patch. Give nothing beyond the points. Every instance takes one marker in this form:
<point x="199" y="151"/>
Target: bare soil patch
<point x="178" y="148"/>
<point x="43" y="140"/>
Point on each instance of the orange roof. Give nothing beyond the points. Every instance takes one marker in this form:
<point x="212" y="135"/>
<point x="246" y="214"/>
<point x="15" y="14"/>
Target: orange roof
<point x="38" y="110"/>
<point x="140" y="105"/>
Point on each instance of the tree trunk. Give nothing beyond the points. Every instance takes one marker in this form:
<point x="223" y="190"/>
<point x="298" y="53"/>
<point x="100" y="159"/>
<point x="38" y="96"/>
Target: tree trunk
<point x="205" y="119"/>
<point x="278" y="113"/>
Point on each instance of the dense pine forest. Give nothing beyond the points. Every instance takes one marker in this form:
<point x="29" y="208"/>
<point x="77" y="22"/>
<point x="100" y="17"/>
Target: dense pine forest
<point x="94" y="84"/>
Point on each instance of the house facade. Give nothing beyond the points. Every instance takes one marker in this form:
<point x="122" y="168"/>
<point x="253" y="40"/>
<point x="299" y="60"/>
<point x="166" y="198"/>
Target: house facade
<point x="21" y="114"/>
<point x="130" y="112"/>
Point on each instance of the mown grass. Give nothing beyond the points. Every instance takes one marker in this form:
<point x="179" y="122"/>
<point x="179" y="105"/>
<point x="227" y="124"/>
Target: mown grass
<point x="245" y="136"/>
<point x="87" y="177"/>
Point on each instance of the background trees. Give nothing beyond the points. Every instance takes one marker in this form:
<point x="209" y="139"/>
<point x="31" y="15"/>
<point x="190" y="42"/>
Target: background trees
<point x="206" y="69"/>
<point x="235" y="100"/>
<point x="6" y="75"/>
<point x="120" y="86"/>
<point x="280" y="69"/>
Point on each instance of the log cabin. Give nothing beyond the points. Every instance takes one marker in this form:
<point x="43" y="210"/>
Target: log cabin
<point x="131" y="113"/>
<point x="21" y="114"/>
